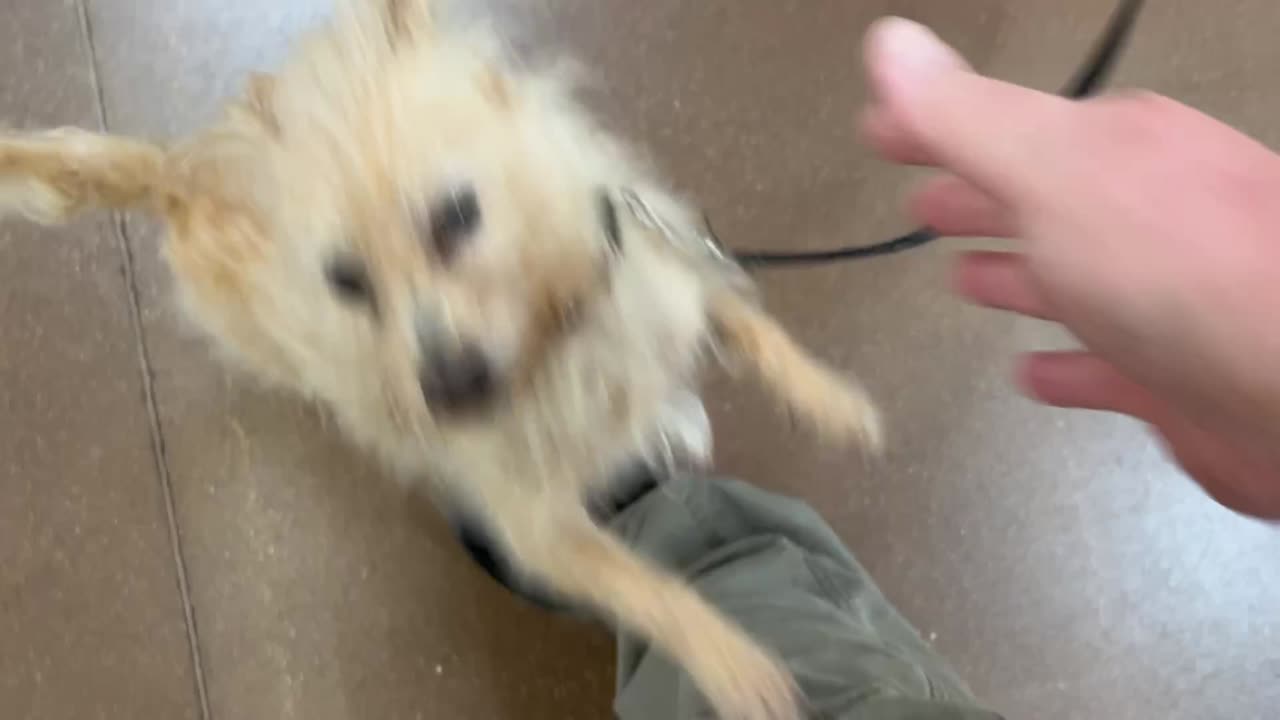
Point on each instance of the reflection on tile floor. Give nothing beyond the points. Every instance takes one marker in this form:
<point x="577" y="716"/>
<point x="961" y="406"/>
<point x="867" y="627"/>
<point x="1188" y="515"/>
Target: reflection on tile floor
<point x="1053" y="556"/>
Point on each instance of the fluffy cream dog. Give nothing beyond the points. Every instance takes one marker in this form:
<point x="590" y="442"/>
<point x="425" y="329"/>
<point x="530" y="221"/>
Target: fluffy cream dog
<point x="483" y="286"/>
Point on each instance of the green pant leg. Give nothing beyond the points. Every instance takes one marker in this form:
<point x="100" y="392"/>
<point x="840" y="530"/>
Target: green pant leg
<point x="773" y="566"/>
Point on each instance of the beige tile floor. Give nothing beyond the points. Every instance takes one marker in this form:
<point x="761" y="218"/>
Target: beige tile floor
<point x="175" y="543"/>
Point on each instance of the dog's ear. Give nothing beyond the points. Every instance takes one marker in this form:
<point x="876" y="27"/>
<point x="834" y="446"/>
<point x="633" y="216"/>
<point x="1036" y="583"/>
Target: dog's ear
<point x="50" y="176"/>
<point x="405" y="21"/>
<point x="837" y="407"/>
<point x="385" y="25"/>
<point x="259" y="102"/>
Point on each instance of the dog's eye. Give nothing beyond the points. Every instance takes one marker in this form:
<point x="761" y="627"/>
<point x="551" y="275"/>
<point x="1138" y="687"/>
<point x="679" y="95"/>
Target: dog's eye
<point x="349" y="278"/>
<point x="453" y="221"/>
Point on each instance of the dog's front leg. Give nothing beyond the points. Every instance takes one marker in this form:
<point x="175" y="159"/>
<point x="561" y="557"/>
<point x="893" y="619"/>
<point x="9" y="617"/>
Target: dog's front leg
<point x="49" y="176"/>
<point x="552" y="538"/>
<point x="837" y="406"/>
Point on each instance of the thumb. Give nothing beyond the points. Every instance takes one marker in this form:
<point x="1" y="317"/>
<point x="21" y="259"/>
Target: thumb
<point x="993" y="134"/>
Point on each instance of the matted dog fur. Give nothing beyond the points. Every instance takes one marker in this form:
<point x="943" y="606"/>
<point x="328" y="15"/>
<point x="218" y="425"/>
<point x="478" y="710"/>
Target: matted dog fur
<point x="432" y="243"/>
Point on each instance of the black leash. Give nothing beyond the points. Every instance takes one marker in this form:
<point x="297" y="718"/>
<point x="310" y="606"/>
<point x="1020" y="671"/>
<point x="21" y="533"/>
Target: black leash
<point x="1090" y="78"/>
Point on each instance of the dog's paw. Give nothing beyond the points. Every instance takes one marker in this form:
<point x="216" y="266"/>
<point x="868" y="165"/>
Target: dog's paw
<point x="838" y="411"/>
<point x="850" y="415"/>
<point x="753" y="686"/>
<point x="33" y="199"/>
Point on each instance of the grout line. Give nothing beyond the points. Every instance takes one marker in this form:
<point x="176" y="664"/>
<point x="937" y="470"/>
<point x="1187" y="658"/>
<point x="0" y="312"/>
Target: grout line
<point x="158" y="450"/>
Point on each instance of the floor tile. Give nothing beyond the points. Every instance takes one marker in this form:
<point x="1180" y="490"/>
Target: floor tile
<point x="1055" y="557"/>
<point x="91" y="618"/>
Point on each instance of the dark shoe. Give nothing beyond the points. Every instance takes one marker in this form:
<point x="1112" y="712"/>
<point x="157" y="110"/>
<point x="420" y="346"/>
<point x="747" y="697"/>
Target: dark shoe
<point x="630" y="485"/>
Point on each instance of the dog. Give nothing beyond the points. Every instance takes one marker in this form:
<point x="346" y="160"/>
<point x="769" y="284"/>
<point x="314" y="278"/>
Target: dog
<point x="489" y="291"/>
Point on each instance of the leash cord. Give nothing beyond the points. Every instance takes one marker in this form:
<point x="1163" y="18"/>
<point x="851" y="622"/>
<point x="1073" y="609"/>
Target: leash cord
<point x="1088" y="80"/>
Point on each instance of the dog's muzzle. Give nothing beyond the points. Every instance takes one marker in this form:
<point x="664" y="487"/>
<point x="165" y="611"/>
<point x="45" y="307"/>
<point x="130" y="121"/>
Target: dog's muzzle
<point x="459" y="378"/>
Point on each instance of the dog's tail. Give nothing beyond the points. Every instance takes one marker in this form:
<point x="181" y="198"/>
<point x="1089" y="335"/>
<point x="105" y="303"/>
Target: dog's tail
<point x="836" y="406"/>
<point x="50" y="176"/>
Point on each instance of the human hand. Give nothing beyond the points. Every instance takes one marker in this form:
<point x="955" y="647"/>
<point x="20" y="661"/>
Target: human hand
<point x="1149" y="230"/>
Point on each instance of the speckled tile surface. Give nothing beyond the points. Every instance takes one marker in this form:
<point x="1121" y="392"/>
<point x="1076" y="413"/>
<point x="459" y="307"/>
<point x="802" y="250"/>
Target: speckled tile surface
<point x="1054" y="557"/>
<point x="91" y="620"/>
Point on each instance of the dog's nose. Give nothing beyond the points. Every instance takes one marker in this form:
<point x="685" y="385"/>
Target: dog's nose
<point x="459" y="378"/>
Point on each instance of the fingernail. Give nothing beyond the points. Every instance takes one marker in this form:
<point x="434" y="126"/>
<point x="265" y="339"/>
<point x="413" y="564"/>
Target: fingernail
<point x="912" y="51"/>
